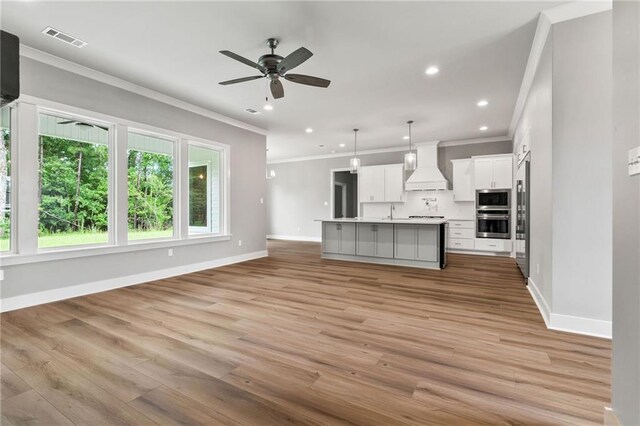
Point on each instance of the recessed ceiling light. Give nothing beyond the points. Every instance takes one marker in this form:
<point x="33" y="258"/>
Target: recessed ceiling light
<point x="268" y="107"/>
<point x="333" y="151"/>
<point x="483" y="128"/>
<point x="483" y="103"/>
<point x="342" y="145"/>
<point x="406" y="138"/>
<point x="432" y="71"/>
<point x="308" y="130"/>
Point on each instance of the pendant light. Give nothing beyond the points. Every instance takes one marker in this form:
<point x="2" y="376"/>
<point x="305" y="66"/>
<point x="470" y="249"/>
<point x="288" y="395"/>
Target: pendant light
<point x="354" y="163"/>
<point x="410" y="158"/>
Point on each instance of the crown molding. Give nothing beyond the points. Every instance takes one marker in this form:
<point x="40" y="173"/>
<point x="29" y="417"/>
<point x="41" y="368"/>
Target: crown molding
<point x="55" y="61"/>
<point x="390" y="149"/>
<point x="504" y="138"/>
<point x="337" y="155"/>
<point x="549" y="17"/>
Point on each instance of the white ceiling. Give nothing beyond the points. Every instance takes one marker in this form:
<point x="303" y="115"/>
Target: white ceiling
<point x="375" y="54"/>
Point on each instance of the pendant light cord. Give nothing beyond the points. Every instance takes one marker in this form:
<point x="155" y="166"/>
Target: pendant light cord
<point x="355" y="142"/>
<point x="409" y="123"/>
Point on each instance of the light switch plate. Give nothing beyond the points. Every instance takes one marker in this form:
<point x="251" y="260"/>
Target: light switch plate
<point x="634" y="161"/>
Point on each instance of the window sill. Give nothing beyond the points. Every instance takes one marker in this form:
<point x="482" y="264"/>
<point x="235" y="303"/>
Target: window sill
<point x="76" y="252"/>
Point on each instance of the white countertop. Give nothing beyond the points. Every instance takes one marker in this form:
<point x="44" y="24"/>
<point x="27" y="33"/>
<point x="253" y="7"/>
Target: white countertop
<point x="386" y="220"/>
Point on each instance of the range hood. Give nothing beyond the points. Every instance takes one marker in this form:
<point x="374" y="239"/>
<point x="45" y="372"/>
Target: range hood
<point x="427" y="176"/>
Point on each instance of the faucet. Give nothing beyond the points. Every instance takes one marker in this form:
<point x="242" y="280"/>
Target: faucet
<point x="391" y="211"/>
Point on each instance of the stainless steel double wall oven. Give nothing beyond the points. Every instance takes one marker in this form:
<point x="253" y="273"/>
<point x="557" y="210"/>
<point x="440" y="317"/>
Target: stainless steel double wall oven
<point x="493" y="213"/>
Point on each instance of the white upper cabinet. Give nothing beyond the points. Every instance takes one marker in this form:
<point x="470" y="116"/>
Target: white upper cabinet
<point x="463" y="185"/>
<point x="503" y="172"/>
<point x="493" y="172"/>
<point x="394" y="183"/>
<point x="483" y="170"/>
<point x="380" y="184"/>
<point x="371" y="184"/>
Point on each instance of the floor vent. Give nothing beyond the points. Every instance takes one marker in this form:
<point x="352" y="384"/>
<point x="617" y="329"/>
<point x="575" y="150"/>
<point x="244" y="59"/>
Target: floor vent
<point x="52" y="32"/>
<point x="252" y="111"/>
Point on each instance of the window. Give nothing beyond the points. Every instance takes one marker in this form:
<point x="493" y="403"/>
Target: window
<point x="73" y="182"/>
<point x="205" y="206"/>
<point x="5" y="179"/>
<point x="150" y="162"/>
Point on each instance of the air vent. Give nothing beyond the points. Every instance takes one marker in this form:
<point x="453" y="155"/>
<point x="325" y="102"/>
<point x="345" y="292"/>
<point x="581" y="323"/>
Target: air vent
<point x="52" y="32"/>
<point x="252" y="111"/>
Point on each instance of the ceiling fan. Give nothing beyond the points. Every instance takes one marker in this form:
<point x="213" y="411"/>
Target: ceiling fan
<point x="274" y="67"/>
<point x="81" y="123"/>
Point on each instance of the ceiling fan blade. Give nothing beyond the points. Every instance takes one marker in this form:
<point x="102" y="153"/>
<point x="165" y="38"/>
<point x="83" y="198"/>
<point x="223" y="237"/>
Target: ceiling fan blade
<point x="241" y="59"/>
<point x="66" y="122"/>
<point x="293" y="60"/>
<point x="276" y="89"/>
<point x="241" y="80"/>
<point x="308" y="80"/>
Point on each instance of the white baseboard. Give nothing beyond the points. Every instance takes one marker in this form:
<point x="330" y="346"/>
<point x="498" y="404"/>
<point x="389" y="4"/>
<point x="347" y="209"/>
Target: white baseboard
<point x="610" y="418"/>
<point x="568" y="323"/>
<point x="580" y="325"/>
<point x="47" y="296"/>
<point x="543" y="307"/>
<point x="294" y="238"/>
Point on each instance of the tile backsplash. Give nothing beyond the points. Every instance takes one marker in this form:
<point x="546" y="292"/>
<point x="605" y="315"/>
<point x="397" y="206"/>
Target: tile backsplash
<point x="423" y="203"/>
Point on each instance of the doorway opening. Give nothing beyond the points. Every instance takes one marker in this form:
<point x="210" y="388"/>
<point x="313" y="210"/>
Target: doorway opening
<point x="344" y="188"/>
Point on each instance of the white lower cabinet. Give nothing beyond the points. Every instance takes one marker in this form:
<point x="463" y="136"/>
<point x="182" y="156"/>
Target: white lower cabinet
<point x="491" y="244"/>
<point x="415" y="242"/>
<point x="339" y="238"/>
<point x="374" y="240"/>
<point x="462" y="234"/>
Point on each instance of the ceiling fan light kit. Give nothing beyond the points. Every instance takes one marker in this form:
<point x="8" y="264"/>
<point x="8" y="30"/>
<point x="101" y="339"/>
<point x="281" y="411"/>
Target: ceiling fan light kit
<point x="274" y="67"/>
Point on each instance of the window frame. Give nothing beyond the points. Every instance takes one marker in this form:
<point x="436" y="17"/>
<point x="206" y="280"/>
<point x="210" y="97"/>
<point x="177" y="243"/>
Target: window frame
<point x="111" y="129"/>
<point x="13" y="176"/>
<point x="175" y="186"/>
<point x="24" y="247"/>
<point x="223" y="152"/>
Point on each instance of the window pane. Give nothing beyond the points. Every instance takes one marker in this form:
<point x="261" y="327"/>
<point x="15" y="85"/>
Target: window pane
<point x="73" y="182"/>
<point x="204" y="190"/>
<point x="150" y="162"/>
<point x="5" y="179"/>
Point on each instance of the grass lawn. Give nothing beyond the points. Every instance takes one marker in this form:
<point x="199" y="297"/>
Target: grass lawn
<point x="78" y="238"/>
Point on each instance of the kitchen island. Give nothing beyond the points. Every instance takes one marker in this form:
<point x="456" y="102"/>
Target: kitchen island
<point x="419" y="243"/>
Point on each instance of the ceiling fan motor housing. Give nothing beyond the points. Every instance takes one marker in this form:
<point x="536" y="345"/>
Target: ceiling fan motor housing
<point x="270" y="62"/>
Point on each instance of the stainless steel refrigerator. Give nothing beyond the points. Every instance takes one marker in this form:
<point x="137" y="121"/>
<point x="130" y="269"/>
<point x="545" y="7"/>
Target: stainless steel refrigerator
<point x="522" y="216"/>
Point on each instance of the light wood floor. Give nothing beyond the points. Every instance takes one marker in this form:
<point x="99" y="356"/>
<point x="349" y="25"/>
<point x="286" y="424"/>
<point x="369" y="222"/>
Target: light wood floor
<point x="293" y="339"/>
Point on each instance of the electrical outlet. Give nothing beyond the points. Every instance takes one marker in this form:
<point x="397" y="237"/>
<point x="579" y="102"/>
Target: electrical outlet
<point x="170" y="253"/>
<point x="326" y="203"/>
<point x="239" y="242"/>
<point x="261" y="200"/>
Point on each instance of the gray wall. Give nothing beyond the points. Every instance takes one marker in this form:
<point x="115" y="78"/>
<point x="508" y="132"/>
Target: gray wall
<point x="248" y="216"/>
<point x="568" y="118"/>
<point x="297" y="194"/>
<point x="626" y="213"/>
<point x="536" y="122"/>
<point x="581" y="162"/>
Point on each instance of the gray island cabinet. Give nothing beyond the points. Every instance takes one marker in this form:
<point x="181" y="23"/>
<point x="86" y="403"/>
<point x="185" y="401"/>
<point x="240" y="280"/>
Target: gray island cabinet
<point x="417" y="243"/>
